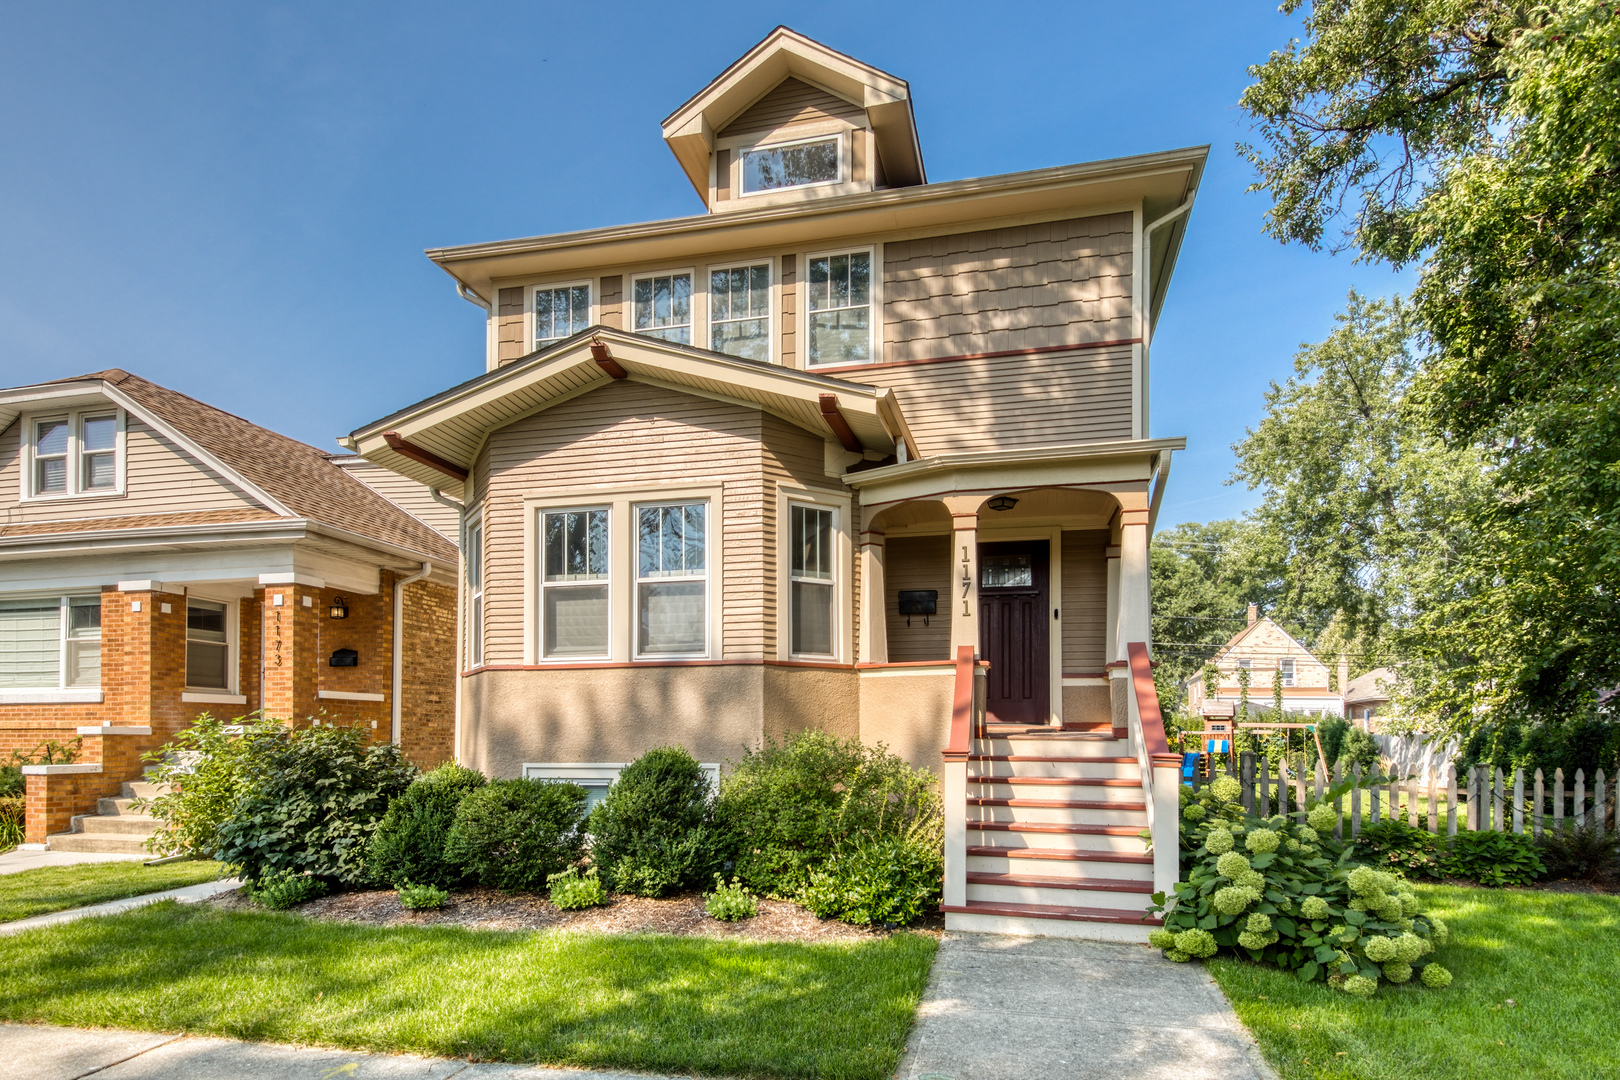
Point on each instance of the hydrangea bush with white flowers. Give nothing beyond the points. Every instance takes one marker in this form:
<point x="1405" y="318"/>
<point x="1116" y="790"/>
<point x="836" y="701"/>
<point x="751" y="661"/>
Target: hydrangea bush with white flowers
<point x="1282" y="891"/>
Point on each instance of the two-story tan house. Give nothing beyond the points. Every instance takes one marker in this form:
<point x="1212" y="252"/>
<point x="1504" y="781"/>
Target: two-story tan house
<point x="161" y="558"/>
<point x="772" y="466"/>
<point x="1270" y="655"/>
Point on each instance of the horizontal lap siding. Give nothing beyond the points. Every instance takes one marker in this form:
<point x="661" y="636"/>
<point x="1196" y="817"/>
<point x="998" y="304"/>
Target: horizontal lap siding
<point x="633" y="434"/>
<point x="412" y="497"/>
<point x="793" y="102"/>
<point x="160" y="478"/>
<point x="917" y="562"/>
<point x="1012" y="401"/>
<point x="1085" y="600"/>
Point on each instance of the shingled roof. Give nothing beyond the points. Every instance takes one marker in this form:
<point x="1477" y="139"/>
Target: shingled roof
<point x="300" y="477"/>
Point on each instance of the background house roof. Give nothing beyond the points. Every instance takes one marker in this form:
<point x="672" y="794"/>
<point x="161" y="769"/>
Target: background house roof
<point x="1370" y="687"/>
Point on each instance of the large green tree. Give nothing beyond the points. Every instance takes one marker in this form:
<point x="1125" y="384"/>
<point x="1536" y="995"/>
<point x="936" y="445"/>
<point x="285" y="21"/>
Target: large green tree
<point x="1480" y="141"/>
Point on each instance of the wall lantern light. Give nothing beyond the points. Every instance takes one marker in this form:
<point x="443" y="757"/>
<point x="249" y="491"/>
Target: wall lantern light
<point x="1003" y="502"/>
<point x="340" y="608"/>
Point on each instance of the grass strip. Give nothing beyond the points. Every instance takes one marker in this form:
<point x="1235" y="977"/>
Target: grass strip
<point x="684" y="1004"/>
<point x="1552" y="955"/>
<point x="57" y="888"/>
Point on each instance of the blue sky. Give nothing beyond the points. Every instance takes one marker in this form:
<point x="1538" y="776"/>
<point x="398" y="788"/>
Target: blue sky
<point x="232" y="200"/>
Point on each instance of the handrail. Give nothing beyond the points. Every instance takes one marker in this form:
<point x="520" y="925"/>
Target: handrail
<point x="961" y="740"/>
<point x="1147" y="702"/>
<point x="1161" y="770"/>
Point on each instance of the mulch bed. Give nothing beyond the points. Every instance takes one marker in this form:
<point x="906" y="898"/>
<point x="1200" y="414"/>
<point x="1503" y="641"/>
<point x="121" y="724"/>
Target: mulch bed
<point x="491" y="909"/>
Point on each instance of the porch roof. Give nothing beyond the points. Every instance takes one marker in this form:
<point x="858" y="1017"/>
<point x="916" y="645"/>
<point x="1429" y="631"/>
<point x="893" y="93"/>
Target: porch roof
<point x="452" y="426"/>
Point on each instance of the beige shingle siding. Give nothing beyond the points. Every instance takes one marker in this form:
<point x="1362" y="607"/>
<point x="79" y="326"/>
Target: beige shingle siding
<point x="793" y="102"/>
<point x="1084" y="600"/>
<point x="1023" y="287"/>
<point x="917" y="562"/>
<point x="510" y="343"/>
<point x="612" y="297"/>
<point x="789" y="314"/>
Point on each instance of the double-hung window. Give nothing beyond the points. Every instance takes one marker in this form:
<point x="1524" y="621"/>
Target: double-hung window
<point x="76" y="454"/>
<point x="740" y="311"/>
<point x="662" y="306"/>
<point x="50" y="643"/>
<point x="574" y="583"/>
<point x="559" y="312"/>
<point x="208" y="644"/>
<point x="799" y="164"/>
<point x="475" y="594"/>
<point x="672" y="585"/>
<point x="840" y="308"/>
<point x="812" y="579"/>
<point x="1286" y="670"/>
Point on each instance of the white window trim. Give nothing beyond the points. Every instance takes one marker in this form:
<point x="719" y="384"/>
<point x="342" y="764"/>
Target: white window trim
<point x="620" y="500"/>
<point x="477" y="614"/>
<point x="75" y="419"/>
<point x="536" y="522"/>
<point x="841" y="136"/>
<point x="636" y="580"/>
<point x="61" y="692"/>
<point x="843" y="573"/>
<point x="801" y="286"/>
<point x="772" y="334"/>
<point x="698" y="323"/>
<point x="1288" y="670"/>
<point x="233" y="658"/>
<point x="593" y="310"/>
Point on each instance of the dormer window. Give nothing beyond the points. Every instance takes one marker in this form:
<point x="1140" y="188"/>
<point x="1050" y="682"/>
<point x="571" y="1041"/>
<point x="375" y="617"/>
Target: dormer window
<point x="560" y="311"/>
<point x="787" y="165"/>
<point x="77" y="453"/>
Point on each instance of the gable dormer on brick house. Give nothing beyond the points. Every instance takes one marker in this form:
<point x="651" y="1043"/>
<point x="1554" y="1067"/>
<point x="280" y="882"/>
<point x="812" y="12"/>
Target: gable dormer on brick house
<point x="828" y="455"/>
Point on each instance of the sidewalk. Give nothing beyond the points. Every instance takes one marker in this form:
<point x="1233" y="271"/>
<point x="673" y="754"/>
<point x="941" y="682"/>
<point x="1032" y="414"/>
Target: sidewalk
<point x="17" y="860"/>
<point x="1010" y="1008"/>
<point x="41" y="1052"/>
<point x="190" y="894"/>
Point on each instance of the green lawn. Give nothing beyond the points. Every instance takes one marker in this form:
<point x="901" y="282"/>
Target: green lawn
<point x="54" y="888"/>
<point x="695" y="1005"/>
<point x="1553" y="954"/>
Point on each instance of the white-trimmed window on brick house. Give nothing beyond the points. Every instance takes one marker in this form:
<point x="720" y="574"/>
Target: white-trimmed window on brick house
<point x="839" y="308"/>
<point x="50" y="642"/>
<point x="475" y="594"/>
<point x="672" y="582"/>
<point x="740" y="311"/>
<point x="812" y="584"/>
<point x="574" y="588"/>
<point x="1285" y="669"/>
<point x="661" y="306"/>
<point x="208" y="644"/>
<point x="76" y="454"/>
<point x="560" y="311"/>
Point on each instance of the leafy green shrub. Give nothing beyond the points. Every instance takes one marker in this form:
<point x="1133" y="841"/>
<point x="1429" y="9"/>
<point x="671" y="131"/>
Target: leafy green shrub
<point x="1493" y="858"/>
<point x="1359" y="748"/>
<point x="888" y="880"/>
<point x="422" y="897"/>
<point x="409" y="842"/>
<point x="314" y="798"/>
<point x="1330" y="732"/>
<point x="1581" y="853"/>
<point x="571" y="890"/>
<point x="280" y="889"/>
<point x="11" y="782"/>
<point x="12" y="812"/>
<point x="728" y="903"/>
<point x="513" y="834"/>
<point x="206" y="769"/>
<point x="790" y="806"/>
<point x="654" y="833"/>
<point x="1398" y="846"/>
<point x="1282" y="891"/>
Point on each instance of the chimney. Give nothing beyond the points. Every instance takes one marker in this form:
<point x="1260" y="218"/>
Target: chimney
<point x="1254" y="614"/>
<point x="1344" y="673"/>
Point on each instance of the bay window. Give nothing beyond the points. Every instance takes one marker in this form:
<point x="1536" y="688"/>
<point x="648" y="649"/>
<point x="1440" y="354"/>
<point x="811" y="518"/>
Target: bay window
<point x="672" y="579"/>
<point x="574" y="583"/>
<point x="812" y="579"/>
<point x="839" y="319"/>
<point x="740" y="311"/>
<point x="475" y="594"/>
<point x="662" y="306"/>
<point x="50" y="643"/>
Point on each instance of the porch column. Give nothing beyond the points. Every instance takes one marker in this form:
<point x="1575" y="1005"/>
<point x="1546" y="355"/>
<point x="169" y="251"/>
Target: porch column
<point x="291" y="610"/>
<point x="874" y="647"/>
<point x="1135" y="598"/>
<point x="964" y="511"/>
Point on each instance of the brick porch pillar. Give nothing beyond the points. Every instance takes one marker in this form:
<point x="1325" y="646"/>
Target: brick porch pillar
<point x="289" y="623"/>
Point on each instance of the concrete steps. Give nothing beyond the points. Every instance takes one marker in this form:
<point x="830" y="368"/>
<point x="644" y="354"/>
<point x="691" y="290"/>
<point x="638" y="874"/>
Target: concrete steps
<point x="117" y="827"/>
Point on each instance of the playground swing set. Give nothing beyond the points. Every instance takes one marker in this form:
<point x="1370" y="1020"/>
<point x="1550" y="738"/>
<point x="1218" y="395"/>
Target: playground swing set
<point x="1218" y="741"/>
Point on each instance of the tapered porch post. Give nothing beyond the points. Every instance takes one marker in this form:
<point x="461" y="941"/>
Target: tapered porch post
<point x="1135" y="597"/>
<point x="964" y="570"/>
<point x="874" y="648"/>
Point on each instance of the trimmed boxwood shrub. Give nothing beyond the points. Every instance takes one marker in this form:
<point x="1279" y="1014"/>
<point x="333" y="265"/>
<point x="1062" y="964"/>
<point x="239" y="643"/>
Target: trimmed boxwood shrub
<point x="409" y="843"/>
<point x="513" y="834"/>
<point x="654" y="834"/>
<point x="312" y="799"/>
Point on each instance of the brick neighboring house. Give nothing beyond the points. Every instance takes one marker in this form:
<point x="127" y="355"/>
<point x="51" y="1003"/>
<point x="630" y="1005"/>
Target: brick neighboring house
<point x="1269" y="652"/>
<point x="160" y="559"/>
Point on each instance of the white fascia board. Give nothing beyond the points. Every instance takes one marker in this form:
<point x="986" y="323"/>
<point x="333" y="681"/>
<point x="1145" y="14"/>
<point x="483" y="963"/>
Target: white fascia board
<point x="89" y="542"/>
<point x="175" y="568"/>
<point x="1041" y="455"/>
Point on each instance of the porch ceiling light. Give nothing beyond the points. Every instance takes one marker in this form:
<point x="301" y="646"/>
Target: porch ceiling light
<point x="1003" y="502"/>
<point x="339" y="608"/>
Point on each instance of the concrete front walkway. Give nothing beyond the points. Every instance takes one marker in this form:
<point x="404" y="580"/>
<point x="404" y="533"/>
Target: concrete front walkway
<point x="17" y="860"/>
<point x="189" y="894"/>
<point x="41" y="1052"/>
<point x="1015" y="1008"/>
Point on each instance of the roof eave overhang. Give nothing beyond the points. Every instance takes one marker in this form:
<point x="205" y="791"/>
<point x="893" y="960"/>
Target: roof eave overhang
<point x="213" y="534"/>
<point x="1157" y="180"/>
<point x="20" y="399"/>
<point x="1146" y="450"/>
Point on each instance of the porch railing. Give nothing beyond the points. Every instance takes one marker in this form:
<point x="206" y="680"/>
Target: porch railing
<point x="1161" y="770"/>
<point x="967" y="705"/>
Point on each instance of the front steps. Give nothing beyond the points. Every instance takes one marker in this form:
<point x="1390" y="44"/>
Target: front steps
<point x="1053" y="837"/>
<point x="115" y="829"/>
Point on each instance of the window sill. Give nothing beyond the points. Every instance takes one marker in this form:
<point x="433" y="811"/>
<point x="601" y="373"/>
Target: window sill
<point x="108" y="729"/>
<point x="212" y="697"/>
<point x="42" y="696"/>
<point x="73" y="496"/>
<point x="346" y="695"/>
<point x="61" y="770"/>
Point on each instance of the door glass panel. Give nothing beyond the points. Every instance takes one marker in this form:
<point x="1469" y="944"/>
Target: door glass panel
<point x="1005" y="571"/>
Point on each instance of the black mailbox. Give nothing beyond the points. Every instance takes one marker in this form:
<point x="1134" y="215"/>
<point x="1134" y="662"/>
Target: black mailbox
<point x="919" y="601"/>
<point x="345" y="658"/>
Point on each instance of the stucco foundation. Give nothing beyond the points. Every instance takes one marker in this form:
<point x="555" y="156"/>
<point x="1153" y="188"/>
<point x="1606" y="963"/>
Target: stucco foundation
<point x="908" y="709"/>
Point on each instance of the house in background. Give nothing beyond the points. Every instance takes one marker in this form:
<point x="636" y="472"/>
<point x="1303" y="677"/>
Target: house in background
<point x="160" y="559"/>
<point x="1367" y="696"/>
<point x="1268" y="653"/>
<point x="814" y="458"/>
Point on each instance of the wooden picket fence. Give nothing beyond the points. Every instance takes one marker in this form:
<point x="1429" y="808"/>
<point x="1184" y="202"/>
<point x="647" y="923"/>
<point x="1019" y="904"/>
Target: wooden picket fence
<point x="1486" y="799"/>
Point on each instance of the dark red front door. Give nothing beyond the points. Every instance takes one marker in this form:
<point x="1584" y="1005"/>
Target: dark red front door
<point x="1013" y="630"/>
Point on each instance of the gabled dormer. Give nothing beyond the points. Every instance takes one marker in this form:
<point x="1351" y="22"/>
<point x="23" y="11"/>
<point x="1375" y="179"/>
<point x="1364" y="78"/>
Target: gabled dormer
<point x="793" y="121"/>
